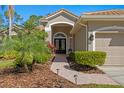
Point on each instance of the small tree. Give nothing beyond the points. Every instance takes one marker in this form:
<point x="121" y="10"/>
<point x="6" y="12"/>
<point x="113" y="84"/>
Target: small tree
<point x="32" y="23"/>
<point x="30" y="47"/>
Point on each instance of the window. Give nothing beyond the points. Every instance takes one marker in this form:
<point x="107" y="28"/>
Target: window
<point x="59" y="35"/>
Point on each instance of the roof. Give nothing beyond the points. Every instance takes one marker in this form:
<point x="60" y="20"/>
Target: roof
<point x="106" y="12"/>
<point x="6" y="29"/>
<point x="61" y="11"/>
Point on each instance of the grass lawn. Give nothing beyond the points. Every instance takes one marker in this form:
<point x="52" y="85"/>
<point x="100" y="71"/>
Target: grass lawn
<point x="100" y="86"/>
<point x="6" y="64"/>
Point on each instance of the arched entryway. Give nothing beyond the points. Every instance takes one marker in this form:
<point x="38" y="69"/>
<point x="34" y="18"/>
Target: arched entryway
<point x="61" y="36"/>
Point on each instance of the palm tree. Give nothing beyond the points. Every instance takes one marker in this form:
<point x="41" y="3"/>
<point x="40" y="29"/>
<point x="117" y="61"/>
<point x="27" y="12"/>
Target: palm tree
<point x="10" y="15"/>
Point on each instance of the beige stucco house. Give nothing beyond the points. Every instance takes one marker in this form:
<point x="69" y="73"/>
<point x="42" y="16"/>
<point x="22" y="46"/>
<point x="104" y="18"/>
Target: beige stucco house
<point x="94" y="31"/>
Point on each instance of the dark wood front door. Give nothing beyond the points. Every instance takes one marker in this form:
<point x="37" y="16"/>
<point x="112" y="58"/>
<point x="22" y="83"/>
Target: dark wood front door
<point x="60" y="45"/>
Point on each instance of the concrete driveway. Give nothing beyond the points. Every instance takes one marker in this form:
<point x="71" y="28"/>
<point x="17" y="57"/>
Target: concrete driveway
<point x="115" y="72"/>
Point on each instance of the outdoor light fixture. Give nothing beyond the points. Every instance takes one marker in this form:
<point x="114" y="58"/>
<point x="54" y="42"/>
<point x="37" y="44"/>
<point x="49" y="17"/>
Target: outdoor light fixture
<point x="57" y="71"/>
<point x="91" y="37"/>
<point x="75" y="77"/>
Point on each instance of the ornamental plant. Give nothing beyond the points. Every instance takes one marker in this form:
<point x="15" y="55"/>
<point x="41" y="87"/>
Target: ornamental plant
<point x="29" y="48"/>
<point x="89" y="58"/>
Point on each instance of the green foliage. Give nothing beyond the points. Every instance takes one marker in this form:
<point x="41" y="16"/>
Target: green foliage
<point x="29" y="25"/>
<point x="6" y="14"/>
<point x="26" y="48"/>
<point x="2" y="26"/>
<point x="15" y="16"/>
<point x="11" y="54"/>
<point x="100" y="86"/>
<point x="8" y="55"/>
<point x="41" y="58"/>
<point x="32" y="22"/>
<point x="90" y="58"/>
<point x="6" y="64"/>
<point x="1" y="54"/>
<point x="24" y="58"/>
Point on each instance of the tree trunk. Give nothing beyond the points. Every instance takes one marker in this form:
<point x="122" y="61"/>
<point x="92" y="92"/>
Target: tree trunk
<point x="10" y="26"/>
<point x="10" y="20"/>
<point x="26" y="68"/>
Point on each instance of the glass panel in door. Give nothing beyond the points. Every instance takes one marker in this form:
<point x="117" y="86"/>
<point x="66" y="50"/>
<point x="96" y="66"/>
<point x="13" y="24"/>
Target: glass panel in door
<point x="63" y="44"/>
<point x="57" y="44"/>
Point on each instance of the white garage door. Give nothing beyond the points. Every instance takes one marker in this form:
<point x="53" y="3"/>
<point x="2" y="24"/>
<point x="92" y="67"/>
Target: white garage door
<point x="113" y="44"/>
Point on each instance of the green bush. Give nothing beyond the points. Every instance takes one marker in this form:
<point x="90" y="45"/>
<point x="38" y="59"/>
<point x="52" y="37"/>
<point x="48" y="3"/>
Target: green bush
<point x="27" y="48"/>
<point x="45" y="57"/>
<point x="1" y="54"/>
<point x="24" y="58"/>
<point x="90" y="58"/>
<point x="41" y="58"/>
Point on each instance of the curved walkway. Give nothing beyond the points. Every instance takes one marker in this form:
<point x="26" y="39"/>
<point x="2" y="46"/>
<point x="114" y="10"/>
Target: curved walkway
<point x="61" y="67"/>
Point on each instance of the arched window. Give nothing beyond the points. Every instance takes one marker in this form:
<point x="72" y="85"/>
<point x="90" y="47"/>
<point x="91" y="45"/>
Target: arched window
<point x="59" y="35"/>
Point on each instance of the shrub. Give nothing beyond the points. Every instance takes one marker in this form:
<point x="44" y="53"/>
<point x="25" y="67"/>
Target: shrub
<point x="24" y="58"/>
<point x="41" y="58"/>
<point x="1" y="54"/>
<point x="23" y="62"/>
<point x="26" y="48"/>
<point x="90" y="58"/>
<point x="45" y="57"/>
<point x="8" y="55"/>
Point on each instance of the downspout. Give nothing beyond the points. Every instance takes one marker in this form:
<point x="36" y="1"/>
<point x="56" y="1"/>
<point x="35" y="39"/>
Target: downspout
<point x="86" y="39"/>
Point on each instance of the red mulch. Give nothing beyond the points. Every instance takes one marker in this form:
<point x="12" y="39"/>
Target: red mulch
<point x="41" y="77"/>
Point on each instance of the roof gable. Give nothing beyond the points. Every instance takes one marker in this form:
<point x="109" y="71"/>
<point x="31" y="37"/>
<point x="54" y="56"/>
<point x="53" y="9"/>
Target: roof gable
<point x="61" y="11"/>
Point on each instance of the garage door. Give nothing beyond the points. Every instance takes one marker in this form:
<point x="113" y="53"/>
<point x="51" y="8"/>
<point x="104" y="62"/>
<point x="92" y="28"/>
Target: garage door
<point x="113" y="45"/>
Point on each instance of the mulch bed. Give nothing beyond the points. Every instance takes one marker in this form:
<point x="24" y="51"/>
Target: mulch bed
<point x="83" y="68"/>
<point x="41" y="77"/>
<point x="87" y="69"/>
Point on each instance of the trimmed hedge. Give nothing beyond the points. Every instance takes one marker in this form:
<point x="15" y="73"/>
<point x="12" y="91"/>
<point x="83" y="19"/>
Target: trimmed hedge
<point x="90" y="58"/>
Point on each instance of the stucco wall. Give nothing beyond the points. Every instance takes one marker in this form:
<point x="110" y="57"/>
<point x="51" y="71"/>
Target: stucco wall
<point x="64" y="29"/>
<point x="60" y="18"/>
<point x="80" y="40"/>
<point x="94" y="25"/>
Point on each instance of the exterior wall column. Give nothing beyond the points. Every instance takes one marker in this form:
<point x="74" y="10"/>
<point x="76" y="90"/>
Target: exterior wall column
<point x="49" y="31"/>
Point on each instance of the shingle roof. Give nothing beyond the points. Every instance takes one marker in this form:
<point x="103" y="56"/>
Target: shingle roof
<point x="106" y="12"/>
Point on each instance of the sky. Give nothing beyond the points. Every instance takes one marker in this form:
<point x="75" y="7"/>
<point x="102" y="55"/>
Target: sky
<point x="26" y="10"/>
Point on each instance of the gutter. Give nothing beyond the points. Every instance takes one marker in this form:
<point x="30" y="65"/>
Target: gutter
<point x="103" y="17"/>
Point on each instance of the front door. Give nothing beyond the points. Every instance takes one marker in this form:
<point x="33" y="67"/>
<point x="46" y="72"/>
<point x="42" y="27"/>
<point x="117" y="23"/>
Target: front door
<point x="60" y="44"/>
